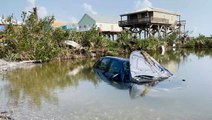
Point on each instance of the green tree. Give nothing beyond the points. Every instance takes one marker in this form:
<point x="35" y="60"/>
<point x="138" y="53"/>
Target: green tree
<point x="32" y="40"/>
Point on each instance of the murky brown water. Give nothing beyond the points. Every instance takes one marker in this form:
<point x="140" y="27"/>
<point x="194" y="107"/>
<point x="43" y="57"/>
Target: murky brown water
<point x="71" y="91"/>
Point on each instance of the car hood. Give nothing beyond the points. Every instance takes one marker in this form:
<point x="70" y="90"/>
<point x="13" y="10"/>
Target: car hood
<point x="142" y="64"/>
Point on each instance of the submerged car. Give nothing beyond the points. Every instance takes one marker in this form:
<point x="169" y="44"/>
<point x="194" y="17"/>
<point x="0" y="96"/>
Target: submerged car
<point x="113" y="68"/>
<point x="140" y="68"/>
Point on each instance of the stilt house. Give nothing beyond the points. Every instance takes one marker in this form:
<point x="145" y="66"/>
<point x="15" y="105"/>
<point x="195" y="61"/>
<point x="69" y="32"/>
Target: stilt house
<point x="152" y="22"/>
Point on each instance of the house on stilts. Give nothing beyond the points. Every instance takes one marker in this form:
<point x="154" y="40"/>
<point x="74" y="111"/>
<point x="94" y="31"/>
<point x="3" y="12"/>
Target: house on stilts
<point x="151" y="22"/>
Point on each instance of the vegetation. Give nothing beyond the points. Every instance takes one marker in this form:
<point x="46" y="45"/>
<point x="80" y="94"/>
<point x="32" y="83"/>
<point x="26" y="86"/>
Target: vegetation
<point x="199" y="42"/>
<point x="35" y="39"/>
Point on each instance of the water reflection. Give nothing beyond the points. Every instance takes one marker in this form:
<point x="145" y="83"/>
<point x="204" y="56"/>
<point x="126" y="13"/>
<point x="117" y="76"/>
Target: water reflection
<point x="135" y="89"/>
<point x="37" y="84"/>
<point x="179" y="55"/>
<point x="171" y="59"/>
<point x="81" y="91"/>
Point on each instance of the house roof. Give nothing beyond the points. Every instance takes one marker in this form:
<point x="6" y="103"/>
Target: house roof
<point x="103" y="19"/>
<point x="61" y="23"/>
<point x="151" y="9"/>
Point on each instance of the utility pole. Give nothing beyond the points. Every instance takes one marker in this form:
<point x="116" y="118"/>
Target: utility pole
<point x="35" y="12"/>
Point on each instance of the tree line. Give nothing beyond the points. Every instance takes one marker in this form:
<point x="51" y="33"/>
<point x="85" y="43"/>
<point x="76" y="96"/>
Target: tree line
<point x="36" y="39"/>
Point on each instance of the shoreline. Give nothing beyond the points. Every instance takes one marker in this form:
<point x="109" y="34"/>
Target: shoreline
<point x="6" y="66"/>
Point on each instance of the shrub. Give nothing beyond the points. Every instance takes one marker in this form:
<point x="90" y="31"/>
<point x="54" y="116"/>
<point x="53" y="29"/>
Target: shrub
<point x="33" y="39"/>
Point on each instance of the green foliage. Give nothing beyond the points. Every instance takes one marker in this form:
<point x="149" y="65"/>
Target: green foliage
<point x="123" y="37"/>
<point x="33" y="39"/>
<point x="59" y="36"/>
<point x="171" y="39"/>
<point x="112" y="45"/>
<point x="127" y="41"/>
<point x="93" y="38"/>
<point x="199" y="42"/>
<point x="150" y="43"/>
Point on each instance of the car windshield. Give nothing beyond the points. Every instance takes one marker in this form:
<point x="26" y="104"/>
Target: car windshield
<point x="103" y="64"/>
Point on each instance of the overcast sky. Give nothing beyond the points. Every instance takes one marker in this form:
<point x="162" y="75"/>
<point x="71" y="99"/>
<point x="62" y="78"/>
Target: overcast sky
<point x="196" y="12"/>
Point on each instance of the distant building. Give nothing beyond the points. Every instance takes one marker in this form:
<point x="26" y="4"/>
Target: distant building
<point x="2" y="26"/>
<point x="152" y="21"/>
<point x="108" y="26"/>
<point x="64" y="25"/>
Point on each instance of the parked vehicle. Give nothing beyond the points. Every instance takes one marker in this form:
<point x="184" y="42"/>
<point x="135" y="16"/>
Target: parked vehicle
<point x="140" y="68"/>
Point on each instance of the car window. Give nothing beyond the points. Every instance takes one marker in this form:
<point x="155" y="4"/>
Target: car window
<point x="126" y="66"/>
<point x="115" y="67"/>
<point x="103" y="64"/>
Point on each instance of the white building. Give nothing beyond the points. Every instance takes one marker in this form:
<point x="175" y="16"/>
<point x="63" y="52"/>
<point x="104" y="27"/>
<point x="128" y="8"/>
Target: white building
<point x="107" y="25"/>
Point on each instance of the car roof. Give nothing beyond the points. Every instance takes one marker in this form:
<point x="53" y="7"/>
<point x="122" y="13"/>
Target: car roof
<point x="117" y="58"/>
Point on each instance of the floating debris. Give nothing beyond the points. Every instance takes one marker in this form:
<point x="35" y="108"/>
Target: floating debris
<point x="6" y="66"/>
<point x="73" y="44"/>
<point x="5" y="116"/>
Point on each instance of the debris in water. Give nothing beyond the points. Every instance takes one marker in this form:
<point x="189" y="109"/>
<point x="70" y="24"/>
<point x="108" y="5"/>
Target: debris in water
<point x="5" y="116"/>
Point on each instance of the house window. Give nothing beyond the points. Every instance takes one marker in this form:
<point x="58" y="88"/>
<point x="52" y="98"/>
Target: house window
<point x="80" y="27"/>
<point x="85" y="26"/>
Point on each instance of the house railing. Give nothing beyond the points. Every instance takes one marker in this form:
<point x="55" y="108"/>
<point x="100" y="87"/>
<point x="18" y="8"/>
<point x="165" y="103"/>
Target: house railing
<point x="143" y="21"/>
<point x="181" y="22"/>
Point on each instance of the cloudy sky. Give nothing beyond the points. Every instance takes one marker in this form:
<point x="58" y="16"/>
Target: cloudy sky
<point x="196" y="12"/>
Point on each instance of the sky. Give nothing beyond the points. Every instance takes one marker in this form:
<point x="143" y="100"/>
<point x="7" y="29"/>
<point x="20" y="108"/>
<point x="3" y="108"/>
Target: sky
<point x="195" y="12"/>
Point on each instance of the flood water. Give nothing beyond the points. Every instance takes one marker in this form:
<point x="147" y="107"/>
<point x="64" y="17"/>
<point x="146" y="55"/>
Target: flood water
<point x="70" y="90"/>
